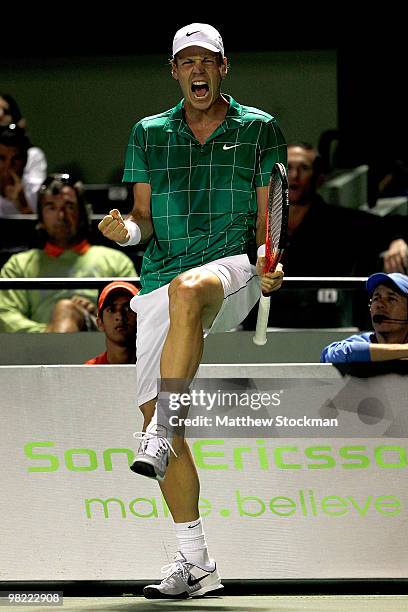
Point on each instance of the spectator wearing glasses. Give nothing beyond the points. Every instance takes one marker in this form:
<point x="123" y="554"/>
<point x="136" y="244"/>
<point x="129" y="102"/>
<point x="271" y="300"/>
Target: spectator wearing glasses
<point x="64" y="228"/>
<point x="35" y="168"/>
<point x="389" y="316"/>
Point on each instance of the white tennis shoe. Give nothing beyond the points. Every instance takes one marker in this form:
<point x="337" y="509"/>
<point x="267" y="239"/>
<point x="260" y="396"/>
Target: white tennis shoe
<point x="153" y="454"/>
<point x="184" y="579"/>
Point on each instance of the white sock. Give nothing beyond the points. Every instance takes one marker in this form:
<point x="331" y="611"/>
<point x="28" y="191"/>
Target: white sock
<point x="153" y="422"/>
<point x="160" y="420"/>
<point x="192" y="543"/>
<point x="160" y="423"/>
<point x="157" y="427"/>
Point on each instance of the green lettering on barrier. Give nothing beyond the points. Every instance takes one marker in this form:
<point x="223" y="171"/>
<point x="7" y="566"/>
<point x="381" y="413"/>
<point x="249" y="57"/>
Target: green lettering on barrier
<point x="318" y="453"/>
<point x="263" y="457"/>
<point x="362" y="510"/>
<point x="306" y="502"/>
<point x="104" y="503"/>
<point x="29" y="453"/>
<point x="107" y="456"/>
<point x="241" y="500"/>
<point x="278" y="452"/>
<point x="277" y="507"/>
<point x="312" y="502"/>
<point x="204" y="506"/>
<point x="378" y="453"/>
<point x="69" y="459"/>
<point x="331" y="502"/>
<point x="165" y="507"/>
<point x="353" y="452"/>
<point x="151" y="501"/>
<point x="237" y="456"/>
<point x="302" y="502"/>
<point x="200" y="455"/>
<point x="390" y="508"/>
<point x="207" y="458"/>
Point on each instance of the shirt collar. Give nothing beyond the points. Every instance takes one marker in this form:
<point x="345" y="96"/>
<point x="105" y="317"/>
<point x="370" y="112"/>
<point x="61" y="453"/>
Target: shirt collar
<point x="177" y="123"/>
<point x="55" y="251"/>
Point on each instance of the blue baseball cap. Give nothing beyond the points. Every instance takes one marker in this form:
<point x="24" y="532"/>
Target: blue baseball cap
<point x="396" y="278"/>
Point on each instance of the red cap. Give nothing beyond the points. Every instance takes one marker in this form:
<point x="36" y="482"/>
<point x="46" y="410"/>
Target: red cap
<point x="116" y="286"/>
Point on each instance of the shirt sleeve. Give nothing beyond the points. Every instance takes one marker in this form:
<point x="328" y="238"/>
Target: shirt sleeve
<point x="272" y="149"/>
<point x="353" y="349"/>
<point x="136" y="162"/>
<point x="14" y="304"/>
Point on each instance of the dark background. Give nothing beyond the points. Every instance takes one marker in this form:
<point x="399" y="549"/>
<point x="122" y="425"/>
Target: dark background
<point x="127" y="31"/>
<point x="371" y="53"/>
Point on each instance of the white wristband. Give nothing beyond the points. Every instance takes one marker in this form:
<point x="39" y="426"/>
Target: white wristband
<point x="261" y="251"/>
<point x="134" y="233"/>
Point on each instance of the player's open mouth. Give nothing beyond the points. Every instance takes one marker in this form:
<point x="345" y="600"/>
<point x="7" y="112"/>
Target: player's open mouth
<point x="200" y="89"/>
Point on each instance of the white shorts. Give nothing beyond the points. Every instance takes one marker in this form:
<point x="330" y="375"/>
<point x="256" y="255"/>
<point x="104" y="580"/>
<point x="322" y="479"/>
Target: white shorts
<point x="242" y="290"/>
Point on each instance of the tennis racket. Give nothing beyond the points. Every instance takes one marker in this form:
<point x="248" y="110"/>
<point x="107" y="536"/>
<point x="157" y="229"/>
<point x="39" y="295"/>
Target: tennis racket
<point x="277" y="214"/>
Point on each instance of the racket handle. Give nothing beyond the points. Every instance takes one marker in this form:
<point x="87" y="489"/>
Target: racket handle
<point x="262" y="321"/>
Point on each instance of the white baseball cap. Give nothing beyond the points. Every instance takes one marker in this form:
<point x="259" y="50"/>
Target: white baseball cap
<point x="199" y="34"/>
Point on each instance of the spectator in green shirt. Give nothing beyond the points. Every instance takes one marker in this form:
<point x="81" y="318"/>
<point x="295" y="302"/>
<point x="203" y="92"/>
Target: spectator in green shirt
<point x="64" y="225"/>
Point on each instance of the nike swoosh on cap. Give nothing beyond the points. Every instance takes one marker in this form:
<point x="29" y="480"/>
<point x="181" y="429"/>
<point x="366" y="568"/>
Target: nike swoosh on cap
<point x="191" y="33"/>
<point x="226" y="147"/>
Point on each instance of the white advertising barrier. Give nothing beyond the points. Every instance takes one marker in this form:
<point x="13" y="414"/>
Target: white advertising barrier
<point x="274" y="507"/>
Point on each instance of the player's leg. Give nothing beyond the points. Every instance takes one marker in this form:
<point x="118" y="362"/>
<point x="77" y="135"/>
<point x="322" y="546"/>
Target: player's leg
<point x="181" y="486"/>
<point x="147" y="409"/>
<point x="219" y="294"/>
<point x="195" y="298"/>
<point x="241" y="290"/>
<point x="193" y="573"/>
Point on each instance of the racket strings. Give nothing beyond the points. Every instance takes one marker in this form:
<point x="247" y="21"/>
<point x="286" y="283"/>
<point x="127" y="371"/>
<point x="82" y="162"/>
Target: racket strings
<point x="274" y="226"/>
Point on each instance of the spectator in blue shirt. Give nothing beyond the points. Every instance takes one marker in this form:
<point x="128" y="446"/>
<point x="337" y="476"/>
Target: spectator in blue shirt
<point x="389" y="316"/>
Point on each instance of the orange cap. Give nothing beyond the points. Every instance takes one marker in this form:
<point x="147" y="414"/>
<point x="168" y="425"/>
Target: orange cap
<point x="115" y="286"/>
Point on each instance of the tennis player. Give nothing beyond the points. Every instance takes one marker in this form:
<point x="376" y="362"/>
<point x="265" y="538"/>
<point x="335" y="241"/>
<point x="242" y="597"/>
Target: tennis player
<point x="200" y="174"/>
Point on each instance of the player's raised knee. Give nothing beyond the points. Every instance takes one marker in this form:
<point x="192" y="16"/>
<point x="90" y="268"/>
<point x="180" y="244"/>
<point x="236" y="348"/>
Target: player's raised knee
<point x="188" y="290"/>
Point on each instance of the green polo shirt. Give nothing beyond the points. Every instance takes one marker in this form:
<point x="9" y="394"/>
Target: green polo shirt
<point x="203" y="195"/>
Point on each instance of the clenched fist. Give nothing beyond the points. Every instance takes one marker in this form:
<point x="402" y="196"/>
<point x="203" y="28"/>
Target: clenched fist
<point x="113" y="227"/>
<point x="270" y="281"/>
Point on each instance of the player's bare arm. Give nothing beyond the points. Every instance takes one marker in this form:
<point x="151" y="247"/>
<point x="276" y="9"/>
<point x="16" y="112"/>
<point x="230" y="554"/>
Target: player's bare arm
<point x="113" y="225"/>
